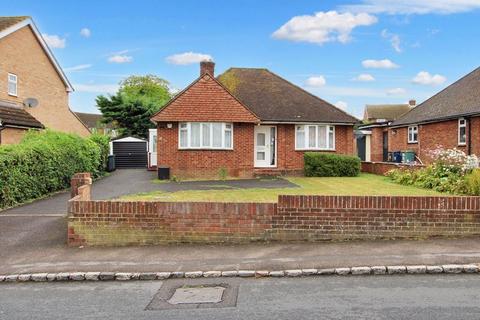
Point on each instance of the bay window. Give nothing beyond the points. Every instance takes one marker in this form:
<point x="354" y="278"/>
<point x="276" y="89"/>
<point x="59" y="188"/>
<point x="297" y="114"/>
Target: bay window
<point x="205" y="135"/>
<point x="314" y="137"/>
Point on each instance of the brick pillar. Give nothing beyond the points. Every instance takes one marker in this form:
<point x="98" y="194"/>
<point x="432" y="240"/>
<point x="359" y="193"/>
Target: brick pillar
<point x="78" y="180"/>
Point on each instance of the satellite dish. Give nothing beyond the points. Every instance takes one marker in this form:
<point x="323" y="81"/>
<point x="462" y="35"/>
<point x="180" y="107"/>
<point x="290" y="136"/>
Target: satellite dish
<point x="30" y="102"/>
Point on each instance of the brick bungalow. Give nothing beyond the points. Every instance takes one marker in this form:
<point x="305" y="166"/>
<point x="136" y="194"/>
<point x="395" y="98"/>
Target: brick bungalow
<point x="246" y="122"/>
<point x="33" y="88"/>
<point x="450" y="119"/>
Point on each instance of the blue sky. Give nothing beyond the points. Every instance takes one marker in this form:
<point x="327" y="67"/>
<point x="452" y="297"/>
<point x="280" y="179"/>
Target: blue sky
<point x="350" y="53"/>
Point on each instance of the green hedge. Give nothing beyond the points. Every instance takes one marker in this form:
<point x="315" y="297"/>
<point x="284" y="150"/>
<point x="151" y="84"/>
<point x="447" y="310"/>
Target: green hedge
<point x="331" y="165"/>
<point x="44" y="162"/>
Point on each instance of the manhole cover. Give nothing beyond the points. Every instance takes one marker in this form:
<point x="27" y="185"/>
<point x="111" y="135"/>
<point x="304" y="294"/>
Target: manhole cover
<point x="195" y="293"/>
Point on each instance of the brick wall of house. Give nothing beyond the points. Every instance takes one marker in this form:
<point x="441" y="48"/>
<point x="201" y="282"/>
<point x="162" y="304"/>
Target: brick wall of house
<point x="11" y="135"/>
<point x="206" y="163"/>
<point x="240" y="161"/>
<point x="293" y="218"/>
<point x="376" y="143"/>
<point x="432" y="135"/>
<point x="21" y="54"/>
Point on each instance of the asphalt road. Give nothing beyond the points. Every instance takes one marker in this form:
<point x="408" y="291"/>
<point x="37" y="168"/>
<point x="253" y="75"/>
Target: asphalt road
<point x="387" y="297"/>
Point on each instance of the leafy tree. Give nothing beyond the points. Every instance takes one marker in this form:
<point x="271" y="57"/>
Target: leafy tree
<point x="137" y="99"/>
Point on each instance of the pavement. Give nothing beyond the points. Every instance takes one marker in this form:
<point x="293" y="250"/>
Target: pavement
<point x="33" y="237"/>
<point x="390" y="297"/>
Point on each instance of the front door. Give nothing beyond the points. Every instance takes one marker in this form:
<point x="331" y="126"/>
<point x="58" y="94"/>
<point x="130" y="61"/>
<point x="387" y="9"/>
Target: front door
<point x="265" y="146"/>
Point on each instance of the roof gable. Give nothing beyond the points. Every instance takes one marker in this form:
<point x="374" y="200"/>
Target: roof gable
<point x="9" y="25"/>
<point x="275" y="99"/>
<point x="461" y="98"/>
<point x="205" y="100"/>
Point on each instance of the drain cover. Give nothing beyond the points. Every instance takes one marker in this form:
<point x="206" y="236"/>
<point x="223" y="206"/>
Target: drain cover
<point x="195" y="293"/>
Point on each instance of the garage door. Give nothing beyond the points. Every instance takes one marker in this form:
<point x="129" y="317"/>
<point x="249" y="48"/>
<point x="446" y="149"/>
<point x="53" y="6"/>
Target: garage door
<point x="130" y="154"/>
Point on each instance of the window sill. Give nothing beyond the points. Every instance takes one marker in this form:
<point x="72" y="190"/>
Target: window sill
<point x="205" y="149"/>
<point x="13" y="95"/>
<point x="412" y="142"/>
<point x="315" y="150"/>
<point x="462" y="145"/>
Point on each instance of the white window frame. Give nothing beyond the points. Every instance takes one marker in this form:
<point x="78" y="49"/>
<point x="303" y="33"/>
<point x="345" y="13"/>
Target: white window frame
<point x="462" y="123"/>
<point x="203" y="147"/>
<point x="306" y="137"/>
<point x="412" y="130"/>
<point x="11" y="81"/>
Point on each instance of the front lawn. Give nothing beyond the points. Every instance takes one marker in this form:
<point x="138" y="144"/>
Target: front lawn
<point x="365" y="184"/>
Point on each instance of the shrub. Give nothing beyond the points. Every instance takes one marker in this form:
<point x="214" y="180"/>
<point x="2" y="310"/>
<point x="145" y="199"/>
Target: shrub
<point x="473" y="182"/>
<point x="331" y="165"/>
<point x="103" y="142"/>
<point x="44" y="162"/>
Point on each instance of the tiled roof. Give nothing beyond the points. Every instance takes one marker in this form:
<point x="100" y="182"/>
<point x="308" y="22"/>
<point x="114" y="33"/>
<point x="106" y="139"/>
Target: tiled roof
<point x="92" y="120"/>
<point x="16" y="116"/>
<point x="389" y="112"/>
<point x="462" y="98"/>
<point x="273" y="98"/>
<point x="7" y="22"/>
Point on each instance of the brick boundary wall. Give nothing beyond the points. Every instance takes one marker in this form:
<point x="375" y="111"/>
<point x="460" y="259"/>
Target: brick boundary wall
<point x="381" y="168"/>
<point x="293" y="218"/>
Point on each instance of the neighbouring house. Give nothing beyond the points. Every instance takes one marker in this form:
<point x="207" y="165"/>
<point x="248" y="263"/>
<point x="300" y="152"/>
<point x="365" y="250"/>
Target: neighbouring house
<point x="33" y="88"/>
<point x="372" y="137"/>
<point x="95" y="124"/>
<point x="247" y="122"/>
<point x="450" y="119"/>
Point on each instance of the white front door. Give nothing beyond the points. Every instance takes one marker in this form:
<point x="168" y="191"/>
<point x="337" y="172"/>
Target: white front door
<point x="152" y="147"/>
<point x="265" y="146"/>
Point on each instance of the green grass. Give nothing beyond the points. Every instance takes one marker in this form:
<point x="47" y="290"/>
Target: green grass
<point x="365" y="184"/>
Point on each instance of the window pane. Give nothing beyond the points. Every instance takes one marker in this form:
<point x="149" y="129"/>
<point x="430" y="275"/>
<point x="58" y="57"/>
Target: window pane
<point x="260" y="139"/>
<point x="322" y="137"/>
<point x="217" y="135"/>
<point x="331" y="141"/>
<point x="228" y="138"/>
<point x="12" y="88"/>
<point x="260" y="155"/>
<point x="300" y="138"/>
<point x="183" y="138"/>
<point x="312" y="137"/>
<point x="463" y="137"/>
<point x="195" y="135"/>
<point x="205" y="134"/>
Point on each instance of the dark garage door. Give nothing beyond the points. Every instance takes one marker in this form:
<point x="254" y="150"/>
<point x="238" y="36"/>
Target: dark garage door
<point x="130" y="154"/>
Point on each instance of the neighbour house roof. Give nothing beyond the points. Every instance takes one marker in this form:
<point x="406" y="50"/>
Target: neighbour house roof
<point x="274" y="99"/>
<point x="9" y="25"/>
<point x="387" y="112"/>
<point x="462" y="98"/>
<point x="12" y="115"/>
<point x="205" y="99"/>
<point x="93" y="120"/>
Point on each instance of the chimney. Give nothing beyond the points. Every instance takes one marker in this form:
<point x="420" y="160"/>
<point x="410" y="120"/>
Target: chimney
<point x="412" y="103"/>
<point x="207" y="66"/>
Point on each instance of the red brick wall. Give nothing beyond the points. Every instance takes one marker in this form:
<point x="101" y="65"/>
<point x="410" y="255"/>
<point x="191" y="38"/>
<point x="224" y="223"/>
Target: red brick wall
<point x="206" y="163"/>
<point x="376" y="144"/>
<point x="240" y="161"/>
<point x="431" y="135"/>
<point x="293" y="218"/>
<point x="381" y="168"/>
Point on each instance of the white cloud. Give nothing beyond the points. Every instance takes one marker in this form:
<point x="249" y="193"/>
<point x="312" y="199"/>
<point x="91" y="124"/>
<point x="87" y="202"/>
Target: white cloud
<point x="80" y="67"/>
<point x="379" y="64"/>
<point x="341" y="105"/>
<point x="85" y="32"/>
<point x="96" y="88"/>
<point x="425" y="78"/>
<point x="364" y="77"/>
<point x="414" y="6"/>
<point x="316" y="81"/>
<point x="323" y="27"/>
<point x="396" y="92"/>
<point x="54" y="41"/>
<point x="120" y="58"/>
<point x="188" y="58"/>
<point x="393" y="38"/>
